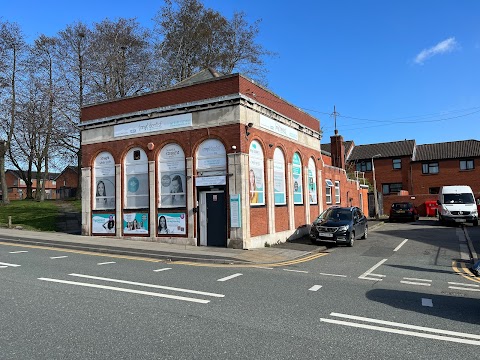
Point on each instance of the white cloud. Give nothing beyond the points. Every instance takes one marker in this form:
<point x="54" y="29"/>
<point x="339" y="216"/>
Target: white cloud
<point x="444" y="46"/>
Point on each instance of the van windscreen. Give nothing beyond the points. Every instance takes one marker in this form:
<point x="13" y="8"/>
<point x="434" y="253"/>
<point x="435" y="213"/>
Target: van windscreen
<point x="465" y="198"/>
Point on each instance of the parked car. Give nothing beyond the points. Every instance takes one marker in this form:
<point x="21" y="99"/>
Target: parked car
<point x="403" y="211"/>
<point x="339" y="225"/>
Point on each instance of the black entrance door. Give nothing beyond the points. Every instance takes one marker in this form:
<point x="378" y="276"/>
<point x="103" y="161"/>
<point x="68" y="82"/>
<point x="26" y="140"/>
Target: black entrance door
<point x="216" y="219"/>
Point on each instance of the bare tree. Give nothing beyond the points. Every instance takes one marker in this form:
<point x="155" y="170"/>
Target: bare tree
<point x="192" y="38"/>
<point x="120" y="59"/>
<point x="12" y="47"/>
<point x="75" y="81"/>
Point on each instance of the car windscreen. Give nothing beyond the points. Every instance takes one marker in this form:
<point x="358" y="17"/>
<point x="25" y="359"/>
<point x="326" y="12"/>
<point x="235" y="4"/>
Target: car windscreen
<point x="465" y="198"/>
<point x="401" y="206"/>
<point x="337" y="214"/>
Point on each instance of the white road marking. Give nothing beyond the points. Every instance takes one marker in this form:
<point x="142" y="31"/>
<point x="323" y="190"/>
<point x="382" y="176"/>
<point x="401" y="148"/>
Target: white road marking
<point x="3" y="267"/>
<point x="58" y="257"/>
<point x="107" y="262"/>
<point x="406" y="326"/>
<point x="262" y="267"/>
<point x="174" y="297"/>
<point x="402" y="332"/>
<point x="427" y="302"/>
<point x="164" y="269"/>
<point x="369" y="278"/>
<point x="230" y="277"/>
<point x="417" y="279"/>
<point x="148" y="285"/>
<point x="326" y="274"/>
<point x="18" y="252"/>
<point x="7" y="264"/>
<point x="298" y="271"/>
<point x="462" y="288"/>
<point x="315" y="288"/>
<point x="368" y="273"/>
<point x="455" y="283"/>
<point x="414" y="283"/>
<point x="401" y="244"/>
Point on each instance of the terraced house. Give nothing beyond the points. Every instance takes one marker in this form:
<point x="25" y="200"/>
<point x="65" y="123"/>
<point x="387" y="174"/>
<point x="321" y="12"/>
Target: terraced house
<point x="407" y="171"/>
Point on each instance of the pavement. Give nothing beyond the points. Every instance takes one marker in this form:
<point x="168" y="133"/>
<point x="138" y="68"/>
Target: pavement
<point x="69" y="225"/>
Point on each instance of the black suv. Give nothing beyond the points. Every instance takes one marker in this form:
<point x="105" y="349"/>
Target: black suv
<point x="339" y="225"/>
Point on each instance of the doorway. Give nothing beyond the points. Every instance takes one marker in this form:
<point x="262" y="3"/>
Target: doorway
<point x="212" y="218"/>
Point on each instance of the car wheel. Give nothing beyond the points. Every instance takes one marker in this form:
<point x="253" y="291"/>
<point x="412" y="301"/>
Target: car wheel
<point x="351" y="239"/>
<point x="441" y="221"/>
<point x="475" y="223"/>
<point x="390" y="220"/>
<point x="365" y="234"/>
<point x="313" y="241"/>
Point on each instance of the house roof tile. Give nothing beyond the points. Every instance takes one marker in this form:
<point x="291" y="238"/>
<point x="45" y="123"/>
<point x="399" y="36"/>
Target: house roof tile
<point x="386" y="150"/>
<point x="447" y="150"/>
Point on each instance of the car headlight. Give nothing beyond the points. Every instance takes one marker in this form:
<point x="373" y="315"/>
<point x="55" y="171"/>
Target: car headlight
<point x="343" y="228"/>
<point x="475" y="212"/>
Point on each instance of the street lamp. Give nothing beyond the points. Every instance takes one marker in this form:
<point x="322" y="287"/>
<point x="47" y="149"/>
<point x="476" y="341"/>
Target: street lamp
<point x="375" y="185"/>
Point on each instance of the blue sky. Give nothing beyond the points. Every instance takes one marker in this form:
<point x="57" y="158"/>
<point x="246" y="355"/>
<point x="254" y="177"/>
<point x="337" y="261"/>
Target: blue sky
<point x="394" y="69"/>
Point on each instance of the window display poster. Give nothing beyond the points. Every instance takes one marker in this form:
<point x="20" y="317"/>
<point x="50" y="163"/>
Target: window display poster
<point x="297" y="179"/>
<point x="171" y="223"/>
<point x="135" y="223"/>
<point x="172" y="190"/>
<point x="105" y="193"/>
<point x="256" y="188"/>
<point x="312" y="182"/>
<point x="279" y="177"/>
<point x="103" y="224"/>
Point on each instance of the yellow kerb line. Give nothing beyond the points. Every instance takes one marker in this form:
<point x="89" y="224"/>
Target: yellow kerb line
<point x="465" y="272"/>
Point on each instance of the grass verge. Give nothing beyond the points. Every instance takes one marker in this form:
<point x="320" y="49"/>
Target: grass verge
<point x="30" y="214"/>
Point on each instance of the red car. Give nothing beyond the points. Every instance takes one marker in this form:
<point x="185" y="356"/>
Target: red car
<point x="403" y="211"/>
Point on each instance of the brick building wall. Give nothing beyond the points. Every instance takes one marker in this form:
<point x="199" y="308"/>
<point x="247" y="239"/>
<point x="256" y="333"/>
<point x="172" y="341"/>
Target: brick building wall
<point x="449" y="173"/>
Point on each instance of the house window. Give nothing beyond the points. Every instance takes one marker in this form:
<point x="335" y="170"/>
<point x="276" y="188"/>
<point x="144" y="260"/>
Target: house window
<point x="328" y="191"/>
<point x="430" y="168"/>
<point x="171" y="176"/>
<point x="297" y="171"/>
<point x="466" y="164"/>
<point x="103" y="181"/>
<point x="256" y="174"/>
<point x="364" y="165"/>
<point x="397" y="163"/>
<point x="391" y="188"/>
<point x="337" y="192"/>
<point x="433" y="190"/>
<point x="312" y="182"/>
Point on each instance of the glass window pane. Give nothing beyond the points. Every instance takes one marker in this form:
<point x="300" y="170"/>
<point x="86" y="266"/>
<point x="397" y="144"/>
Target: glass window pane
<point x="256" y="174"/>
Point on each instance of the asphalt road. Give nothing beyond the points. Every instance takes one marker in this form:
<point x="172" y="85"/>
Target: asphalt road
<point x="395" y="295"/>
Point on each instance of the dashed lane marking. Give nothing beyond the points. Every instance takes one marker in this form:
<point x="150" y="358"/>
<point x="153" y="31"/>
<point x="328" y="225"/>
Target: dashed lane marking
<point x="163" y="269"/>
<point x="337" y="275"/>
<point x="297" y="271"/>
<point x="106" y="263"/>
<point x="18" y="252"/>
<point x="230" y="277"/>
<point x="4" y="265"/>
<point x="401" y="244"/>
<point x="58" y="257"/>
<point x="416" y="281"/>
<point x="315" y="288"/>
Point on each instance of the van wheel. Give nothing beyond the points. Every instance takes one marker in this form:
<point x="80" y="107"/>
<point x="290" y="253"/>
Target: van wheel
<point x="475" y="223"/>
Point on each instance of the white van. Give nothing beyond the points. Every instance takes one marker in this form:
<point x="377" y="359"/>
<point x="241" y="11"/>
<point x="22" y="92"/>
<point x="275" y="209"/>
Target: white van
<point x="456" y="203"/>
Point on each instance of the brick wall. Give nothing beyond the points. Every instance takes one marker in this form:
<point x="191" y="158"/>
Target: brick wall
<point x="449" y="174"/>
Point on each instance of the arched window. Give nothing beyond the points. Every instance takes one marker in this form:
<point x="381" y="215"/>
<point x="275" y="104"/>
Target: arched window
<point x="171" y="175"/>
<point x="297" y="179"/>
<point x="279" y="177"/>
<point x="211" y="158"/>
<point x="136" y="179"/>
<point x="104" y="180"/>
<point x="256" y="174"/>
<point x="312" y="181"/>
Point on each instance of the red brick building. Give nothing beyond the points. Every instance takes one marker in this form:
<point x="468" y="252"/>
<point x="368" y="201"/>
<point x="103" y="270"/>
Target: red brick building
<point x="213" y="161"/>
<point x="67" y="183"/>
<point x="17" y="188"/>
<point x="405" y="171"/>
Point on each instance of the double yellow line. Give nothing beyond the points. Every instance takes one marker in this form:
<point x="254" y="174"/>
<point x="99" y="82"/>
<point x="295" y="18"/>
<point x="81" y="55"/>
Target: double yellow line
<point x="461" y="269"/>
